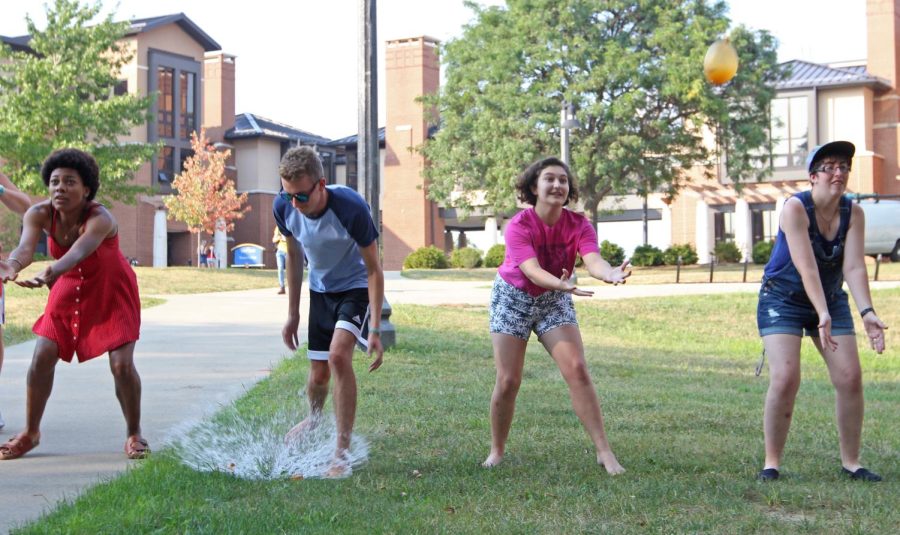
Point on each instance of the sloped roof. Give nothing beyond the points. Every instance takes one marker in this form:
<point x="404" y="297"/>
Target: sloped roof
<point x="249" y="125"/>
<point x="17" y="43"/>
<point x="139" y="26"/>
<point x="354" y="139"/>
<point x="805" y="74"/>
<point x="182" y="20"/>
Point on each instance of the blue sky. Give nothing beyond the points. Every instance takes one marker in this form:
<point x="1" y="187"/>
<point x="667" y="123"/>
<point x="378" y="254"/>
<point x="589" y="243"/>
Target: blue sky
<point x="297" y="61"/>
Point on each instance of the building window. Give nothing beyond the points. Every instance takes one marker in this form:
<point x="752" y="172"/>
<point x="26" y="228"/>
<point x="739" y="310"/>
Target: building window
<point x="176" y="109"/>
<point x="763" y="222"/>
<point x="165" y="115"/>
<point x="185" y="154"/>
<point x="724" y="222"/>
<point x="352" y="171"/>
<point x="165" y="165"/>
<point x="121" y="88"/>
<point x="188" y="122"/>
<point x="789" y="131"/>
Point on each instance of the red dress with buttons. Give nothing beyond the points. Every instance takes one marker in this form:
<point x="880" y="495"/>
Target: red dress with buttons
<point x="95" y="307"/>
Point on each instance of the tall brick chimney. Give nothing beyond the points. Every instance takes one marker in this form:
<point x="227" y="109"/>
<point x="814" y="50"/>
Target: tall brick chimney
<point x="883" y="35"/>
<point x="218" y="94"/>
<point x="409" y="219"/>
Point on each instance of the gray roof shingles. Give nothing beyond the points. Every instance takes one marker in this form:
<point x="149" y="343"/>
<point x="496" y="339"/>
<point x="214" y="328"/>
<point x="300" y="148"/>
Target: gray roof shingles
<point x="804" y="74"/>
<point x="248" y="125"/>
<point x="139" y="26"/>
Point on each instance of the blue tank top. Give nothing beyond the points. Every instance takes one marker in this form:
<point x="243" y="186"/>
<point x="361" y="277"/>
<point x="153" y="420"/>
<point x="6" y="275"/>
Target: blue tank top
<point x="829" y="254"/>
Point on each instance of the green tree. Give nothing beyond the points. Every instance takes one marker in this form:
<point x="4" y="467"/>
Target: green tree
<point x="61" y="95"/>
<point x="204" y="198"/>
<point x="634" y="69"/>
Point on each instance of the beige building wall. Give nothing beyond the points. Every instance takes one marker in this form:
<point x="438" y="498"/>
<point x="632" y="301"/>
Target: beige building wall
<point x="257" y="162"/>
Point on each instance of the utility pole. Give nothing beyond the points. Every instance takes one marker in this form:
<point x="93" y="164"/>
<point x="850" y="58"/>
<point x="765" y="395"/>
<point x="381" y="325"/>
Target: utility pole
<point x="367" y="150"/>
<point x="368" y="158"/>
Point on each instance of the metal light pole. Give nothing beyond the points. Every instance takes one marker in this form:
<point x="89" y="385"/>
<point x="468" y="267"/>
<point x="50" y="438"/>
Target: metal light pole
<point x="367" y="145"/>
<point x="367" y="151"/>
<point x="567" y="121"/>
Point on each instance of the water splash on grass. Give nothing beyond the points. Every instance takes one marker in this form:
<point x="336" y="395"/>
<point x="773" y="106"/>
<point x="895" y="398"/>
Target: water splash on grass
<point x="254" y="447"/>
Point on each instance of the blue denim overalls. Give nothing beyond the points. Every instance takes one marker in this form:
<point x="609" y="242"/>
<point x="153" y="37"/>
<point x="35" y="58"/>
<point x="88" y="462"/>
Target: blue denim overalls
<point x="783" y="304"/>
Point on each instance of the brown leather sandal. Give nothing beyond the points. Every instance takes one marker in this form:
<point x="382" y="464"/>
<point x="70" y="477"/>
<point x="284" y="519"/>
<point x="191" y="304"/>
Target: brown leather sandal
<point x="136" y="447"/>
<point x="17" y="446"/>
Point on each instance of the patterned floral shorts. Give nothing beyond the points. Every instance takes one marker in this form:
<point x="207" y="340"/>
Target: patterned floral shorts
<point x="516" y="313"/>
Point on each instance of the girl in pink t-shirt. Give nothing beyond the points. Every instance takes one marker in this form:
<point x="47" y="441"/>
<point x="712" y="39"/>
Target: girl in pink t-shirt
<point x="533" y="292"/>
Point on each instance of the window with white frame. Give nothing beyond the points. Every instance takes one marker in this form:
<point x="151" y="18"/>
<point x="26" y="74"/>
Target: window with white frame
<point x="789" y="131"/>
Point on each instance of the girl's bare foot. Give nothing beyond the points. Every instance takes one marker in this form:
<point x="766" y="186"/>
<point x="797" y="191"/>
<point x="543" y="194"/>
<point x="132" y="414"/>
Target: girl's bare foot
<point x="608" y="461"/>
<point x="493" y="460"/>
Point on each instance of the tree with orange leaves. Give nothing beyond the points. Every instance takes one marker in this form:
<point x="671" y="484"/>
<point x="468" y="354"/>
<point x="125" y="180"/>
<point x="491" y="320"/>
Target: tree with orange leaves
<point x="204" y="198"/>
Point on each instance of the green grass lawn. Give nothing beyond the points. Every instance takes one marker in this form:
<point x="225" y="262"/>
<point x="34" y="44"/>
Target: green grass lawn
<point x="24" y="305"/>
<point x="683" y="412"/>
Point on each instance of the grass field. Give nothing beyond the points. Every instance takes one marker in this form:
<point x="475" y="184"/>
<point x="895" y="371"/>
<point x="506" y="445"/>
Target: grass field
<point x="683" y="411"/>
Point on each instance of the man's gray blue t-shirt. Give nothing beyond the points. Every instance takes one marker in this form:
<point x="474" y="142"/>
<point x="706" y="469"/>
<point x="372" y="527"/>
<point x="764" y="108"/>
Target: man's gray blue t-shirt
<point x="332" y="240"/>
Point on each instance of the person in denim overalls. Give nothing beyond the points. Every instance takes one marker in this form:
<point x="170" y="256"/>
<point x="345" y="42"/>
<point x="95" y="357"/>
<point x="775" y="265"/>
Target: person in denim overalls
<point x="819" y="245"/>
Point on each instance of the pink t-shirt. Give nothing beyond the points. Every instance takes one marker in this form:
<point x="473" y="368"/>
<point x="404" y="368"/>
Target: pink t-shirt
<point x="555" y="247"/>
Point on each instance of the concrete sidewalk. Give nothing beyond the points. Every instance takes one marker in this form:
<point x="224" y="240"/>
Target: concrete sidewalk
<point x="196" y="352"/>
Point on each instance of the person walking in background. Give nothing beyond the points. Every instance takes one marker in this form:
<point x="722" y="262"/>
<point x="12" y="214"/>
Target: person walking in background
<point x="280" y="256"/>
<point x="211" y="261"/>
<point x="533" y="292"/>
<point x="819" y="246"/>
<point x="93" y="306"/>
<point x="346" y="288"/>
<point x="203" y="257"/>
<point x="18" y="202"/>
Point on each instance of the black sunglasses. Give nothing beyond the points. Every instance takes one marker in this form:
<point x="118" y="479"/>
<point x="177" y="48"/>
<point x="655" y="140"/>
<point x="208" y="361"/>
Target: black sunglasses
<point x="301" y="197"/>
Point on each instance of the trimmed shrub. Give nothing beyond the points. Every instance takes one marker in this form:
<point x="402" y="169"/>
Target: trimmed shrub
<point x="646" y="255"/>
<point x="727" y="251"/>
<point x="612" y="253"/>
<point x="466" y="258"/>
<point x="426" y="258"/>
<point x="495" y="256"/>
<point x="686" y="251"/>
<point x="762" y="251"/>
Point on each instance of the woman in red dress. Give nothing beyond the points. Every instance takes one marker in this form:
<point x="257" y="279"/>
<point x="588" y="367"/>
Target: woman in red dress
<point x="93" y="306"/>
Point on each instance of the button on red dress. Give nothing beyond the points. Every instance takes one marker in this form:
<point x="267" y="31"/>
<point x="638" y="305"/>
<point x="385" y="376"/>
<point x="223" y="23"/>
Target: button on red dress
<point x="95" y="307"/>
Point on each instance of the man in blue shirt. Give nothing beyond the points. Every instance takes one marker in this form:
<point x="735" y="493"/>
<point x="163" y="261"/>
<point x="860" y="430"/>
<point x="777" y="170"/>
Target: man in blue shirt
<point x="334" y="228"/>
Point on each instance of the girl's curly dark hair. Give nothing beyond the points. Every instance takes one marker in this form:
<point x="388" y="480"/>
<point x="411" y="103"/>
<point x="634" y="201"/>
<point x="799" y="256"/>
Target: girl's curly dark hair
<point x="75" y="159"/>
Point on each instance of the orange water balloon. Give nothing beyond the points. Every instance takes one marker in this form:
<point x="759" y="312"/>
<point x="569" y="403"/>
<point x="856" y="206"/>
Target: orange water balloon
<point x="721" y="62"/>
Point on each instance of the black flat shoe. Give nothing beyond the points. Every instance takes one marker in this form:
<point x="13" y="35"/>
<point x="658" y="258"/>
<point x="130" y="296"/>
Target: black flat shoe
<point x="862" y="474"/>
<point x="769" y="474"/>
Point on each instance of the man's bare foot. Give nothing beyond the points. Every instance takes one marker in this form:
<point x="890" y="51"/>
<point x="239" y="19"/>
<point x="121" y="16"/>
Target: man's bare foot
<point x="493" y="460"/>
<point x="308" y="424"/>
<point x="608" y="461"/>
<point x="340" y="466"/>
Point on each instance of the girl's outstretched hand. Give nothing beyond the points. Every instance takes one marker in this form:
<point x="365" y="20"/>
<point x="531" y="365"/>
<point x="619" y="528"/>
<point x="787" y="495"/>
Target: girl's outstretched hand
<point x="567" y="285"/>
<point x="617" y="275"/>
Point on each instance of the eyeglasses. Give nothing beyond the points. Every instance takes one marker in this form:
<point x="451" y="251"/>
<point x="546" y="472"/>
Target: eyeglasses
<point x="300" y="197"/>
<point x="832" y="169"/>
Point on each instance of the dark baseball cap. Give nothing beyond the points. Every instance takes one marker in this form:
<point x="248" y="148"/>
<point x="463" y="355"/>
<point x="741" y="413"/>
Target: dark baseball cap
<point x="835" y="148"/>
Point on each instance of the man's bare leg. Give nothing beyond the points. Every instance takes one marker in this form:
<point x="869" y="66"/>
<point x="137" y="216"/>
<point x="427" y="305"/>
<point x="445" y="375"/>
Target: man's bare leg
<point x="340" y="360"/>
<point x="316" y="392"/>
